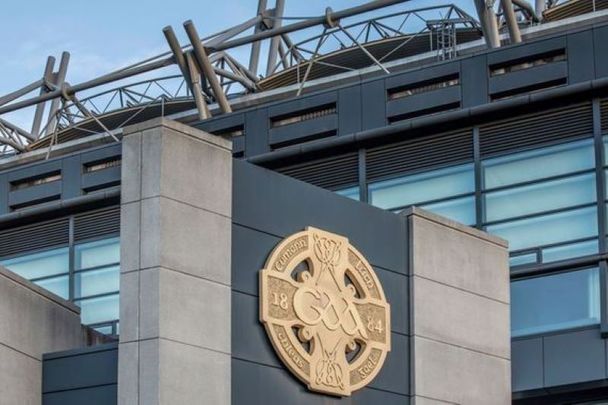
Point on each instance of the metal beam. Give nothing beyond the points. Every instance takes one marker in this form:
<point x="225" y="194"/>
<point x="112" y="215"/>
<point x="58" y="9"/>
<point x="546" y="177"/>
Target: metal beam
<point x="21" y="92"/>
<point x="47" y="78"/>
<point x="514" y="33"/>
<point x="274" y="42"/>
<point x="205" y="66"/>
<point x="201" y="103"/>
<point x="254" y="58"/>
<point x="311" y="22"/>
<point x="58" y="82"/>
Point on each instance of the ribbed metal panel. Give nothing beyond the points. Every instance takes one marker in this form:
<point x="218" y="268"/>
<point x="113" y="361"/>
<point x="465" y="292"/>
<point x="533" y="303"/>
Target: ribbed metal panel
<point x="420" y="153"/>
<point x="93" y="224"/>
<point x="331" y="173"/>
<point x="546" y="127"/>
<point x="34" y="237"/>
<point x="604" y="109"/>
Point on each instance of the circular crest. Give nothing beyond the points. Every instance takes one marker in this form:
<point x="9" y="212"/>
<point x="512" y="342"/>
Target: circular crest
<point x="325" y="312"/>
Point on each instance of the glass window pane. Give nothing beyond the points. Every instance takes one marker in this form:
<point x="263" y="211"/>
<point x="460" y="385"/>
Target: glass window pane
<point x="96" y="282"/>
<point x="352" y="192"/>
<point x="98" y="253"/>
<point x="538" y="164"/>
<point x="548" y="229"/>
<point x="522" y="259"/>
<point x="106" y="330"/>
<point x="57" y="285"/>
<point x="39" y="264"/>
<point x="461" y="209"/>
<point x="569" y="251"/>
<point x="435" y="185"/>
<point x="97" y="310"/>
<point x="541" y="197"/>
<point x="560" y="301"/>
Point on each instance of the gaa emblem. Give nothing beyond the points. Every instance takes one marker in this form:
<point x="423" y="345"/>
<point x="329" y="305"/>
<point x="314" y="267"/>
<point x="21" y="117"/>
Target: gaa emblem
<point x="325" y="312"/>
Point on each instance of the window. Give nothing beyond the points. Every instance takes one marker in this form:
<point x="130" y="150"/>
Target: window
<point x="94" y="277"/>
<point x="543" y="202"/>
<point x="558" y="301"/>
<point x="49" y="269"/>
<point x="96" y="280"/>
<point x="352" y="192"/>
<point x="448" y="192"/>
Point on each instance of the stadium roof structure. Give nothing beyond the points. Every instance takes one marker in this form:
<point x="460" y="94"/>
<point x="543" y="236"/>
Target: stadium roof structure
<point x="208" y="79"/>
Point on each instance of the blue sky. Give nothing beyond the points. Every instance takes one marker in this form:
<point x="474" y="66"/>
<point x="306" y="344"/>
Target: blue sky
<point x="103" y="36"/>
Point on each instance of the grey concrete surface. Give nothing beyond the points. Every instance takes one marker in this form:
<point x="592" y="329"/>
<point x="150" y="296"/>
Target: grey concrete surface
<point x="33" y="321"/>
<point x="459" y="313"/>
<point x="175" y="338"/>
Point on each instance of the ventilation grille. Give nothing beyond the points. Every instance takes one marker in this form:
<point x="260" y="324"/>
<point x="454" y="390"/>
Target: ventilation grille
<point x="424" y="87"/>
<point x="34" y="237"/>
<point x="96" y="223"/>
<point x="330" y="173"/>
<point x="554" y="126"/>
<point x="300" y="116"/>
<point x="420" y="153"/>
<point x="604" y="109"/>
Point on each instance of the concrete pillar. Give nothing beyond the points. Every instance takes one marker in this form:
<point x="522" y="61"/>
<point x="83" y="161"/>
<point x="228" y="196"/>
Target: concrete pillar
<point x="459" y="321"/>
<point x="33" y="321"/>
<point x="175" y="307"/>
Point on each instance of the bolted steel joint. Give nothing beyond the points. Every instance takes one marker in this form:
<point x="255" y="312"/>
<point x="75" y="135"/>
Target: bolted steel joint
<point x="329" y="21"/>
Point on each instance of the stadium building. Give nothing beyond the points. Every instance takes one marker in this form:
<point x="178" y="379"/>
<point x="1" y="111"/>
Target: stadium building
<point x="393" y="205"/>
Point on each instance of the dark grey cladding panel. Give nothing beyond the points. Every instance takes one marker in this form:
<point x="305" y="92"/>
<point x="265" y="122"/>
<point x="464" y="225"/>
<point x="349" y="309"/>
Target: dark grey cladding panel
<point x="473" y="82"/>
<point x="396" y="289"/>
<point x="349" y="110"/>
<point x="435" y="99"/>
<point x="527" y="364"/>
<point x="580" y="57"/>
<point x="80" y="368"/>
<point x="250" y="248"/>
<point x="422" y="75"/>
<point x="104" y="395"/>
<point x="303" y="131"/>
<point x="84" y="376"/>
<point x="301" y="104"/>
<point x="279" y="205"/>
<point x="524" y="50"/>
<point x="574" y="357"/>
<point x="600" y="41"/>
<point x="256" y="126"/>
<point x="270" y="385"/>
<point x="373" y="104"/>
<point x="34" y="170"/>
<point x="35" y="194"/>
<point x="528" y="77"/>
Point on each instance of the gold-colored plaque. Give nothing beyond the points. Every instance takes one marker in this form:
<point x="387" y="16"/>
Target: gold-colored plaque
<point x="325" y="311"/>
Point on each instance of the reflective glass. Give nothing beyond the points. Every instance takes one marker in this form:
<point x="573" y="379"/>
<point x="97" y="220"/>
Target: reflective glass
<point x="569" y="251"/>
<point x="548" y="229"/>
<point x="39" y="264"/>
<point x="522" y="259"/>
<point x="97" y="310"/>
<point x="461" y="209"/>
<point x="352" y="192"/>
<point x="554" y="302"/>
<point x="540" y="197"/>
<point x="538" y="164"/>
<point x="434" y="185"/>
<point x="94" y="282"/>
<point x="98" y="253"/>
<point x="106" y="330"/>
<point x="57" y="285"/>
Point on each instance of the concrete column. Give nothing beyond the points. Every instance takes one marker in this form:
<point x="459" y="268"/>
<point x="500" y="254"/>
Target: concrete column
<point x="175" y="315"/>
<point x="459" y="321"/>
<point x="33" y="321"/>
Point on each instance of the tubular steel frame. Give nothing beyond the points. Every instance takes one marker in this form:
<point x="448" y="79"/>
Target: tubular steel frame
<point x="209" y="74"/>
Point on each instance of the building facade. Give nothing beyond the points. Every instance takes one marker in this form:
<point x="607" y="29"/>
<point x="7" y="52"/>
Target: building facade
<point x="512" y="142"/>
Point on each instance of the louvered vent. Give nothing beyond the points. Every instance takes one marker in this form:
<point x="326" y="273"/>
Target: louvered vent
<point x="420" y="153"/>
<point x="553" y="126"/>
<point x="330" y="173"/>
<point x="96" y="223"/>
<point x="604" y="109"/>
<point x="34" y="237"/>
